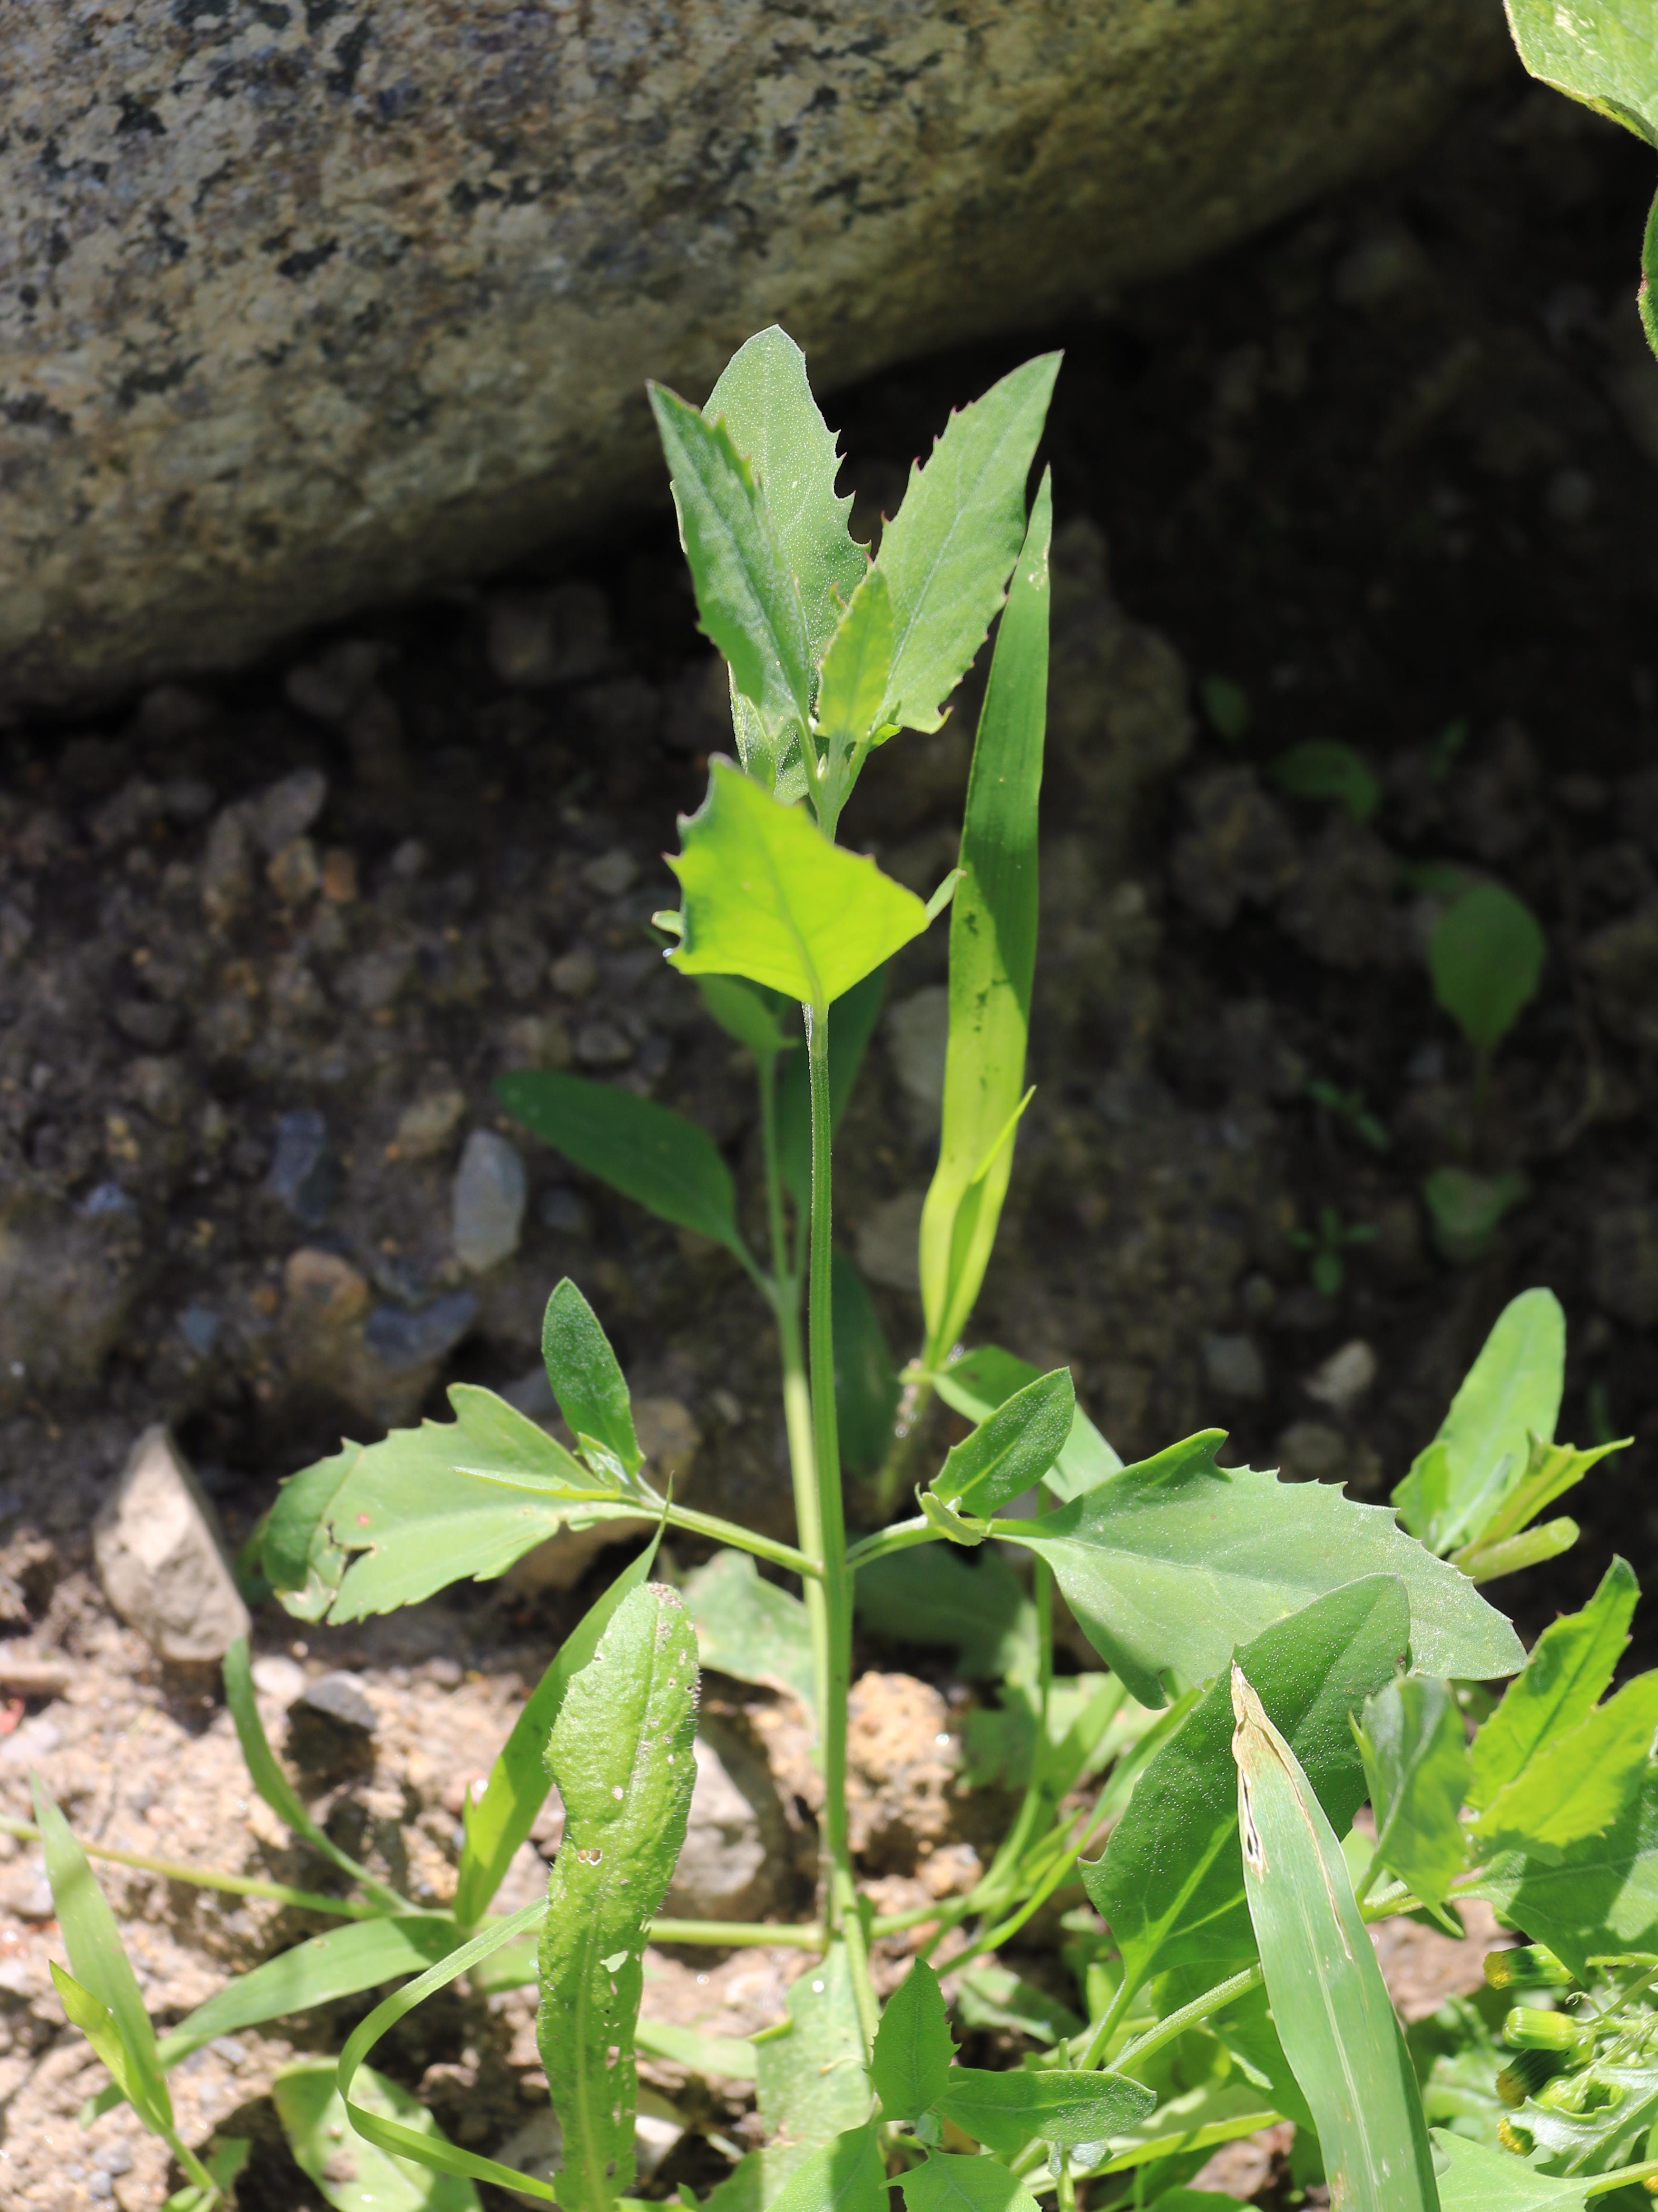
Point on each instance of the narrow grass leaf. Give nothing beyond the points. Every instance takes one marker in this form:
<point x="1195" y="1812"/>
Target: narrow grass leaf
<point x="1579" y="1785"/>
<point x="765" y="401"/>
<point x="749" y="1628"/>
<point x="353" y="2175"/>
<point x="1006" y="2110"/>
<point x="747" y="599"/>
<point x="914" y="2048"/>
<point x="97" y="1960"/>
<point x="500" y="1820"/>
<point x="1331" y="2005"/>
<point x="1011" y="1449"/>
<point x="1169" y="1880"/>
<point x="1571" y="1665"/>
<point x="648" y="1153"/>
<point x="265" y="1772"/>
<point x="947" y="553"/>
<point x="1416" y="1766"/>
<point x="95" y="2019"/>
<point x="975" y="1385"/>
<point x="1176" y="1561"/>
<point x="993" y="954"/>
<point x="1510" y="1394"/>
<point x="586" y="1375"/>
<point x="621" y="1754"/>
<point x="944" y="2182"/>
<point x="766" y="896"/>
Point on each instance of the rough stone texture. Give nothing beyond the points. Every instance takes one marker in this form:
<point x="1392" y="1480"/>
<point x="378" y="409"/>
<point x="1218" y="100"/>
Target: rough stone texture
<point x="159" y="1559"/>
<point x="302" y="307"/>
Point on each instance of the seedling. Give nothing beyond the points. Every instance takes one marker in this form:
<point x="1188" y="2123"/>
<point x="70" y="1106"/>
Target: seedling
<point x="1324" y="768"/>
<point x="1351" y="1108"/>
<point x="1328" y="1242"/>
<point x="1226" y="708"/>
<point x="1465" y="1209"/>
<point x="1486" y="959"/>
<point x="1196" y="1784"/>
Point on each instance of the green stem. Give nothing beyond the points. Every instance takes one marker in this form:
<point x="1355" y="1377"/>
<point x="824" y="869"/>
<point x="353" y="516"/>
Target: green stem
<point x="1602" y="2185"/>
<point x="1110" y="2021"/>
<point x="733" y="1933"/>
<point x="238" y="1885"/>
<point x="900" y="1537"/>
<point x="194" y="2170"/>
<point x="744" y="1540"/>
<point x="842" y="1913"/>
<point x="1211" y="2001"/>
<point x="892" y="1478"/>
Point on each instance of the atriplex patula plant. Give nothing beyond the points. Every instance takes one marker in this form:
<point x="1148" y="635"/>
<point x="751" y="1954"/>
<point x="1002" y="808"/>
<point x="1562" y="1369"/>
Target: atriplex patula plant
<point x="1274" y="1652"/>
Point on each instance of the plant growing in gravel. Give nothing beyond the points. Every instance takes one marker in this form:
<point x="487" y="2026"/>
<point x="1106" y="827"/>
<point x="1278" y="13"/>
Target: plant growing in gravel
<point x="1272" y="1653"/>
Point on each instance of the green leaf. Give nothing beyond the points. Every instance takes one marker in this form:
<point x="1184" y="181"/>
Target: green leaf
<point x="948" y="552"/>
<point x="1416" y="1766"/>
<point x="266" y="1775"/>
<point x="1577" y="1785"/>
<point x="1511" y="1392"/>
<point x="1616" y="2102"/>
<point x="1485" y="960"/>
<point x="854" y="688"/>
<point x="1323" y="768"/>
<point x="933" y="1597"/>
<point x="1571" y="1665"/>
<point x="586" y="1377"/>
<point x="846" y="2174"/>
<point x="1476" y="2179"/>
<point x="866" y="1386"/>
<point x="98" y="1963"/>
<point x="747" y="599"/>
<point x="298" y="1554"/>
<point x="1226" y="707"/>
<point x="621" y="1754"/>
<point x="750" y="1628"/>
<point x="767" y="896"/>
<point x="855" y="1016"/>
<point x="813" y="2088"/>
<point x="1175" y="1561"/>
<point x="95" y="2019"/>
<point x="993" y="1995"/>
<point x="646" y="1151"/>
<point x="1466" y="1210"/>
<point x="500" y="1820"/>
<point x="1011" y="1449"/>
<point x="1196" y="2120"/>
<point x="975" y="1385"/>
<point x="765" y="402"/>
<point x="1169" y="1880"/>
<point x="730" y="2055"/>
<point x="1551" y="1471"/>
<point x="914" y="2048"/>
<point x="427" y="1505"/>
<point x="1331" y="2005"/>
<point x="1647" y="298"/>
<point x="993" y="954"/>
<point x="1599" y="52"/>
<point x="1597" y="1896"/>
<point x="1004" y="2111"/>
<point x="351" y="2173"/>
<point x="947" y="2184"/>
<point x="748" y="1012"/>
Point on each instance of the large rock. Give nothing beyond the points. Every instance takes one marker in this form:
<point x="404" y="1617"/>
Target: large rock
<point x="306" y="304"/>
<point x="156" y="1542"/>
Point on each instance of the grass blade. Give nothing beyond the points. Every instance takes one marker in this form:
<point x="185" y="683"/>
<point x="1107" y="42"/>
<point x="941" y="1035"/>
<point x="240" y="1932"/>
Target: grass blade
<point x="314" y="2118"/>
<point x="98" y="1962"/>
<point x="1333" y="2014"/>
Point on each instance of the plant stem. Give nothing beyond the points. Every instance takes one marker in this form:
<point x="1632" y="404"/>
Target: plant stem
<point x="194" y="2170"/>
<point x="898" y="1537"/>
<point x="744" y="1540"/>
<point x="238" y="1885"/>
<point x="841" y="1914"/>
<point x="806" y="1936"/>
<point x="894" y="1472"/>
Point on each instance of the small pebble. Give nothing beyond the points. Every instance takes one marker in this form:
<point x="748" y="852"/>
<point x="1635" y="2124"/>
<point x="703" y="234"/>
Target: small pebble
<point x="339" y="1696"/>
<point x="302" y="1176"/>
<point x="611" y="873"/>
<point x="286" y="810"/>
<point x="1233" y="1365"/>
<point x="427" y="1126"/>
<point x="275" y="1676"/>
<point x="489" y="1194"/>
<point x="400" y="1339"/>
<point x="574" y="974"/>
<point x="1341" y="1381"/>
